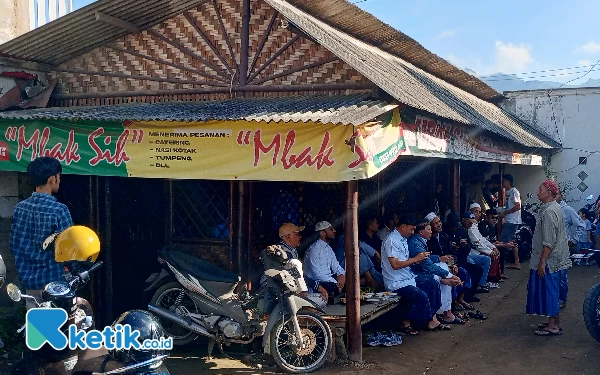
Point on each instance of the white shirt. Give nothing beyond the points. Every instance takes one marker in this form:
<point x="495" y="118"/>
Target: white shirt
<point x="480" y="243"/>
<point x="512" y="197"/>
<point x="395" y="246"/>
<point x="384" y="233"/>
<point x="320" y="263"/>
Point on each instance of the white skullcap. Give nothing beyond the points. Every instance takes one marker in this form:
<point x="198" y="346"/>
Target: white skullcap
<point x="430" y="216"/>
<point x="474" y="205"/>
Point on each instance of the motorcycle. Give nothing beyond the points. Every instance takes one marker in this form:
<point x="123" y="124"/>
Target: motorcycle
<point x="62" y="295"/>
<point x="591" y="311"/>
<point x="524" y="235"/>
<point x="196" y="298"/>
<point x="76" y="249"/>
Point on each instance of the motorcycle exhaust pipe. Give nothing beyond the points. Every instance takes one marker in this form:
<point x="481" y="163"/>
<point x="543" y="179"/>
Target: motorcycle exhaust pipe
<point x="194" y="327"/>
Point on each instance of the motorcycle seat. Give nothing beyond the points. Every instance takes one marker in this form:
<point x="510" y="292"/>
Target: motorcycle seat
<point x="198" y="268"/>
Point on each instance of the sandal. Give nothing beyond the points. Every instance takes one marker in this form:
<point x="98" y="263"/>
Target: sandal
<point x="477" y="315"/>
<point x="440" y="327"/>
<point x="545" y="332"/>
<point x="541" y="326"/>
<point x="513" y="267"/>
<point x="457" y="306"/>
<point x="408" y="330"/>
<point x="468" y="306"/>
<point x="463" y="316"/>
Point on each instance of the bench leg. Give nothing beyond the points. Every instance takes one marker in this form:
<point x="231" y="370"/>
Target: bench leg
<point x="340" y="351"/>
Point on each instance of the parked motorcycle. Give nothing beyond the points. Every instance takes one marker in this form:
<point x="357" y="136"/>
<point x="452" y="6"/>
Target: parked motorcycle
<point x="194" y="297"/>
<point x="524" y="235"/>
<point x="591" y="311"/>
<point x="77" y="248"/>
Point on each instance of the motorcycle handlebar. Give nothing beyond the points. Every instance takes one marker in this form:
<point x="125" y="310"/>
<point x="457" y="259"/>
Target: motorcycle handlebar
<point x="95" y="266"/>
<point x="85" y="275"/>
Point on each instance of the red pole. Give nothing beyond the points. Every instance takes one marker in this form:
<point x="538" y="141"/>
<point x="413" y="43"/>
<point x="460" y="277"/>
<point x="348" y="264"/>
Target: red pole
<point x="352" y="273"/>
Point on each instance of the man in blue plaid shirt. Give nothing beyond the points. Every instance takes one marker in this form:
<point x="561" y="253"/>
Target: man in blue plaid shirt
<point x="34" y="220"/>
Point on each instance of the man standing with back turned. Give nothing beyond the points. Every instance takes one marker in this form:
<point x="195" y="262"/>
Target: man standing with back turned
<point x="34" y="220"/>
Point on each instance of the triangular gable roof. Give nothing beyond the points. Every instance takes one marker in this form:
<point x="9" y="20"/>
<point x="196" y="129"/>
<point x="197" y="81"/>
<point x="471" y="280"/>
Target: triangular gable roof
<point x="79" y="32"/>
<point x="412" y="85"/>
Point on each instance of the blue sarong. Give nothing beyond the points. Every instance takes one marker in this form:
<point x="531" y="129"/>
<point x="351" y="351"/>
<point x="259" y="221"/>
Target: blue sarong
<point x="543" y="293"/>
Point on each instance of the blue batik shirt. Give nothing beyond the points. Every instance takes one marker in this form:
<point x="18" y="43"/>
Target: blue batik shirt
<point x="34" y="220"/>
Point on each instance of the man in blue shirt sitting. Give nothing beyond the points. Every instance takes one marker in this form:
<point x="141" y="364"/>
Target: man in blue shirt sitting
<point x="34" y="220"/>
<point x="434" y="266"/>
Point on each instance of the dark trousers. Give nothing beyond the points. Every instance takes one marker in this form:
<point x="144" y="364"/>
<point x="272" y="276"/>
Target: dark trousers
<point x="420" y="303"/>
<point x="475" y="272"/>
<point x="415" y="306"/>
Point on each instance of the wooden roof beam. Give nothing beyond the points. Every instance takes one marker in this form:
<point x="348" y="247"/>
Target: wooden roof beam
<point x="103" y="17"/>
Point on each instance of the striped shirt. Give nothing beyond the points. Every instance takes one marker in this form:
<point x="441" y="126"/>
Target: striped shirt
<point x="550" y="231"/>
<point x="34" y="220"/>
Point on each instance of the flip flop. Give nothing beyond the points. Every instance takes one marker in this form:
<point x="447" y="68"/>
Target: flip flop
<point x="545" y="332"/>
<point x="510" y="266"/>
<point x="408" y="331"/>
<point x="456" y="320"/>
<point x="544" y="325"/>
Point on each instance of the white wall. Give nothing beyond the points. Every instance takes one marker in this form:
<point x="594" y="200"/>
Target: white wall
<point x="571" y="117"/>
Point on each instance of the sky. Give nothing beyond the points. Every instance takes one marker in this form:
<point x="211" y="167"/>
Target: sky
<point x="499" y="37"/>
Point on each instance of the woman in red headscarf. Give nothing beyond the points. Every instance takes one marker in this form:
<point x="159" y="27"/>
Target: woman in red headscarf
<point x="549" y="259"/>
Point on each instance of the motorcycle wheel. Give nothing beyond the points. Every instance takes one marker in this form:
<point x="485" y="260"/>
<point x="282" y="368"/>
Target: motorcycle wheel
<point x="317" y="338"/>
<point x="165" y="297"/>
<point x="591" y="312"/>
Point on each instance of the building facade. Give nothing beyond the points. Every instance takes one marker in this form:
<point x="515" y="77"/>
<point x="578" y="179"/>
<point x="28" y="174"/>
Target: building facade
<point x="570" y="117"/>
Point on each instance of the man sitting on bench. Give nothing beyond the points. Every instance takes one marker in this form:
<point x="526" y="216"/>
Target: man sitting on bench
<point x="321" y="268"/>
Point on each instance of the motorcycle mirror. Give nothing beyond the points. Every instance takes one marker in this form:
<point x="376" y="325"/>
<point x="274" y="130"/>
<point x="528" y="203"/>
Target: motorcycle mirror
<point x="13" y="292"/>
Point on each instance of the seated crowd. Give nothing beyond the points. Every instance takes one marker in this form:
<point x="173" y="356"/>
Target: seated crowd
<point x="437" y="269"/>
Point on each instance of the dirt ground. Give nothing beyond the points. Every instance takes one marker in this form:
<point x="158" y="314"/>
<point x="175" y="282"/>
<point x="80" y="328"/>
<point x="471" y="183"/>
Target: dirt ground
<point x="502" y="344"/>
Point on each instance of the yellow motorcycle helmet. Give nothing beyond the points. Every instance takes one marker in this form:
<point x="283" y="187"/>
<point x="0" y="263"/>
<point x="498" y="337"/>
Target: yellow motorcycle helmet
<point x="77" y="243"/>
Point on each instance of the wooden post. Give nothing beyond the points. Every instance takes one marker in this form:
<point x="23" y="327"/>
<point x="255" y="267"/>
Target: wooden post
<point x="245" y="42"/>
<point x="240" y="230"/>
<point x="502" y="197"/>
<point x="456" y="186"/>
<point x="108" y="267"/>
<point x="352" y="273"/>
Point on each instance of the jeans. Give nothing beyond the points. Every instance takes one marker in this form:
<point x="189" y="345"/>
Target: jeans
<point x="564" y="286"/>
<point x="484" y="262"/>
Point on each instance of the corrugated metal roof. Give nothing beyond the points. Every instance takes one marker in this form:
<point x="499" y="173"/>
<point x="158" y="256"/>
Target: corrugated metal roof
<point x="343" y="109"/>
<point x="412" y="85"/>
<point x="347" y="17"/>
<point x="79" y="32"/>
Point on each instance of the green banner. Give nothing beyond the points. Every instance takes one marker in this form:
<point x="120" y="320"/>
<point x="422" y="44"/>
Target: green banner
<point x="80" y="146"/>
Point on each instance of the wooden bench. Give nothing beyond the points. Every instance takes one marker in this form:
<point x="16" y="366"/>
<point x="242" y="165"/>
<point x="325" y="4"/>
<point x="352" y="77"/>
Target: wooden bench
<point x="335" y="316"/>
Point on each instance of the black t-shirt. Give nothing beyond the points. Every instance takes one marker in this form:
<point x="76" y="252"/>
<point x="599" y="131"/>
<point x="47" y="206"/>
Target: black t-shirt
<point x="488" y="231"/>
<point x="375" y="242"/>
<point x="462" y="252"/>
